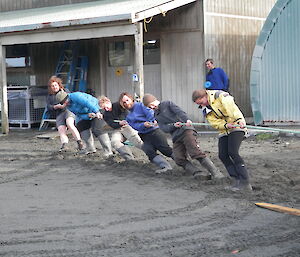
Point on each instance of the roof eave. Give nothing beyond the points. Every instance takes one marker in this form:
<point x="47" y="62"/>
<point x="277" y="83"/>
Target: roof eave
<point x="163" y="8"/>
<point x="67" y="23"/>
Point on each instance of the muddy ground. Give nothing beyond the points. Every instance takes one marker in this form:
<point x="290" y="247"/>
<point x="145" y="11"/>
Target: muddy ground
<point x="54" y="204"/>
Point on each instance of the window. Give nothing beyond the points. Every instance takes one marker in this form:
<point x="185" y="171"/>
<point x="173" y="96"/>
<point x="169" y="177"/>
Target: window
<point x="152" y="51"/>
<point x="17" y="56"/>
<point x="119" y="53"/>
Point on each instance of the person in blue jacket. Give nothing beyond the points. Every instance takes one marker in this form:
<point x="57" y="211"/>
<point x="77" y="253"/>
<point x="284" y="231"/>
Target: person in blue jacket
<point x="87" y="109"/>
<point x="142" y="119"/>
<point x="216" y="78"/>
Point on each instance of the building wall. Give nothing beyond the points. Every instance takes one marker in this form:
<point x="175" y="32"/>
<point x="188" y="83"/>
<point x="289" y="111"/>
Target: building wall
<point x="182" y="52"/>
<point x="231" y="28"/>
<point x="12" y="5"/>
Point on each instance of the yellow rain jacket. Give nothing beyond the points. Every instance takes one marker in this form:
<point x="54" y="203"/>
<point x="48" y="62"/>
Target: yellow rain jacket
<point x="223" y="110"/>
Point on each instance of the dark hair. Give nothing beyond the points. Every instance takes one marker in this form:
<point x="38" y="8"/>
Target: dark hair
<point x="209" y="60"/>
<point x="121" y="97"/>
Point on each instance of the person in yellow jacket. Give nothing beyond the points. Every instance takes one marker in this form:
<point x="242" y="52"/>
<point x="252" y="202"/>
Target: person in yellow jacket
<point x="224" y="115"/>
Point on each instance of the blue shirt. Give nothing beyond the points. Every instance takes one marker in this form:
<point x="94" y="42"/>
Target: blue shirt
<point x="218" y="79"/>
<point x="138" y="115"/>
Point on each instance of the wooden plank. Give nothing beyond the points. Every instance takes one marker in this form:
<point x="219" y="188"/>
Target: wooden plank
<point x="49" y="135"/>
<point x="3" y="89"/>
<point x="279" y="208"/>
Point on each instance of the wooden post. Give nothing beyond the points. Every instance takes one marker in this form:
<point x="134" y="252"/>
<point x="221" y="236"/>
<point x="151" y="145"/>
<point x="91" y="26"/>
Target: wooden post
<point x="138" y="80"/>
<point x="3" y="90"/>
<point x="102" y="62"/>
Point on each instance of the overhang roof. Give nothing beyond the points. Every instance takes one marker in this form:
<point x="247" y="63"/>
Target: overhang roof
<point x="101" y="11"/>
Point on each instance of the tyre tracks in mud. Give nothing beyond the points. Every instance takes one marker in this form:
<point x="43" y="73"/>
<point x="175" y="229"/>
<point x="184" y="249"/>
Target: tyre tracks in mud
<point x="186" y="235"/>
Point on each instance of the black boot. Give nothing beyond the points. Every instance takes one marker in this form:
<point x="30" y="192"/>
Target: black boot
<point x="243" y="174"/>
<point x="235" y="181"/>
<point x="80" y="144"/>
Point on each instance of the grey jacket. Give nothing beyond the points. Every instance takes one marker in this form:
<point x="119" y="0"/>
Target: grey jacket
<point x="169" y="113"/>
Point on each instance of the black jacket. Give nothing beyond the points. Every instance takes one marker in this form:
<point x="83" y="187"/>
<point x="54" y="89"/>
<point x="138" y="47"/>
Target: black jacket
<point x="117" y="113"/>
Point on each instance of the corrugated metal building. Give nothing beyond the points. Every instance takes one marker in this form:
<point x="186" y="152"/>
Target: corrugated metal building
<point x="275" y="72"/>
<point x="231" y="28"/>
<point x="177" y="37"/>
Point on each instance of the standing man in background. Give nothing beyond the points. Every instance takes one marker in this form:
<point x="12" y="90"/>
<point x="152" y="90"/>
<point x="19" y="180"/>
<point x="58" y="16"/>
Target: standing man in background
<point x="216" y="78"/>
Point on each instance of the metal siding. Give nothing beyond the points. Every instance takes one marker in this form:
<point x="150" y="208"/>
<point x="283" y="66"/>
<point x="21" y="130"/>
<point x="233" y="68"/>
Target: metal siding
<point x="230" y="41"/>
<point x="118" y="84"/>
<point x="152" y="78"/>
<point x="44" y="61"/>
<point x="279" y="79"/>
<point x="255" y="8"/>
<point x="181" y="69"/>
<point x="186" y="17"/>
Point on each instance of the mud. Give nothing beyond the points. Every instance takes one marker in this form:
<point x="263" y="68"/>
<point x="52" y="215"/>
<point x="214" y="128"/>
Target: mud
<point x="67" y="204"/>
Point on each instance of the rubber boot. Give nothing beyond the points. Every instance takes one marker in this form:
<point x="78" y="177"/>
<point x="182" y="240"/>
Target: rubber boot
<point x="234" y="178"/>
<point x="243" y="177"/>
<point x="197" y="173"/>
<point x="125" y="152"/>
<point x="211" y="168"/>
<point x="162" y="163"/>
<point x="88" y="138"/>
<point x="106" y="144"/>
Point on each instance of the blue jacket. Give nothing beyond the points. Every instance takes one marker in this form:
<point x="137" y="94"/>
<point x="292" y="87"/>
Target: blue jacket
<point x="218" y="79"/>
<point x="81" y="104"/>
<point x="138" y="115"/>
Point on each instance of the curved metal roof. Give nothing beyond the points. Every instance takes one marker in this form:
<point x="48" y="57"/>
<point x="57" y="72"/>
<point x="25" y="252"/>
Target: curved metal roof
<point x="275" y="76"/>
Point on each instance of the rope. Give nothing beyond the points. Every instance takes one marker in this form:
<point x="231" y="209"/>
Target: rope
<point x="252" y="127"/>
<point x="147" y="22"/>
<point x="247" y="126"/>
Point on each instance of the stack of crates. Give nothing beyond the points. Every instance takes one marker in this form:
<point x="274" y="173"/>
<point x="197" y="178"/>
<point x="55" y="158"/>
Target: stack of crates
<point x="25" y="105"/>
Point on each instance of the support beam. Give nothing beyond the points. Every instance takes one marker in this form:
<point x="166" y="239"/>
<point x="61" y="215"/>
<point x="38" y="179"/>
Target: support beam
<point x="3" y="90"/>
<point x="139" y="62"/>
<point x="102" y="64"/>
<point x="62" y="34"/>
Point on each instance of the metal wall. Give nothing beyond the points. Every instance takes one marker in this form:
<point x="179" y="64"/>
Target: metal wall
<point x="182" y="52"/>
<point x="231" y="28"/>
<point x="12" y="5"/>
<point x="275" y="73"/>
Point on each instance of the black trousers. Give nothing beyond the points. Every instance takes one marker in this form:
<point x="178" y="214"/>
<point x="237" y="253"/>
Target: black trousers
<point x="96" y="125"/>
<point x="229" y="148"/>
<point x="153" y="141"/>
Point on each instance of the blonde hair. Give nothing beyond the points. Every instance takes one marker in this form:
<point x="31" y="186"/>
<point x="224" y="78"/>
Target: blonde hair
<point x="103" y="99"/>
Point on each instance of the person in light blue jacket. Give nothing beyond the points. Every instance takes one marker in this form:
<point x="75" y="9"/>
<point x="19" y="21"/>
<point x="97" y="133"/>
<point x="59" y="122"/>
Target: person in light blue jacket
<point x="91" y="122"/>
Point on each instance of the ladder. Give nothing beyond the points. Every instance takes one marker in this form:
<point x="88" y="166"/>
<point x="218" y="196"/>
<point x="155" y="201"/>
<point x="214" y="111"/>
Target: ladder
<point x="72" y="69"/>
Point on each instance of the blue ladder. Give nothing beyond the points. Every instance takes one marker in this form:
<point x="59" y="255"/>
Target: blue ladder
<point x="72" y="69"/>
